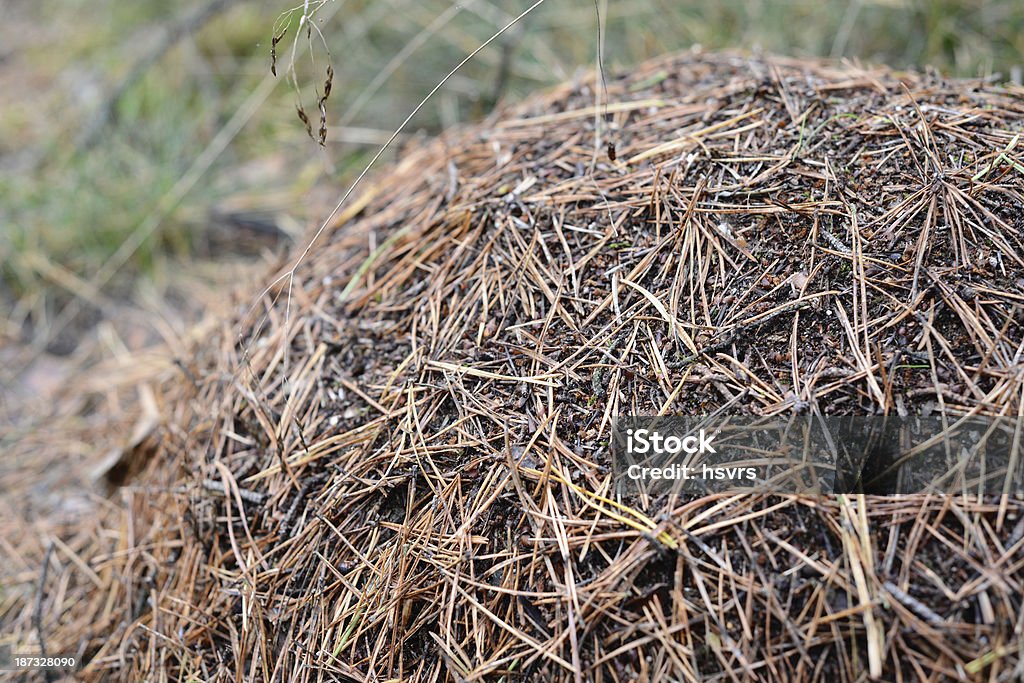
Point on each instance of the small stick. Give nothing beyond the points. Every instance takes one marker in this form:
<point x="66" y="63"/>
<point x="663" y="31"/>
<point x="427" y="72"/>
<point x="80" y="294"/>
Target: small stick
<point x="218" y="487"/>
<point x="914" y="605"/>
<point x="37" y="613"/>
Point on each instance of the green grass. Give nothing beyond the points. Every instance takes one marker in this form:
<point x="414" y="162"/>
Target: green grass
<point x="74" y="209"/>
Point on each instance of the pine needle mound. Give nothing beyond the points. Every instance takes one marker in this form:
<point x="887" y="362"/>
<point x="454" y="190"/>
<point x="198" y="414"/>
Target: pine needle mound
<point x="400" y="470"/>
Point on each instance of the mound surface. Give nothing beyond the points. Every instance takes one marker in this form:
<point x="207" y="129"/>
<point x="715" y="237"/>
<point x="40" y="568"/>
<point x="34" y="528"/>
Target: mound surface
<point x="403" y="472"/>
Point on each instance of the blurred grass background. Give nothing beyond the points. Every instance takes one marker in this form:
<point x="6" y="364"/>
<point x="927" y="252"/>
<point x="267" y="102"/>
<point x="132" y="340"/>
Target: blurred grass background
<point x="121" y="167"/>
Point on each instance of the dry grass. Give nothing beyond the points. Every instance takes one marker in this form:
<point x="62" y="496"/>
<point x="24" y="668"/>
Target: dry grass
<point x="406" y="476"/>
